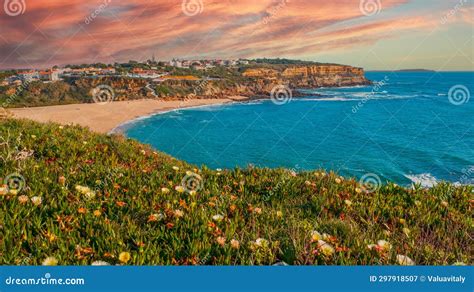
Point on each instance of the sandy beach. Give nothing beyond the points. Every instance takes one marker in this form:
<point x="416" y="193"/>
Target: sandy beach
<point x="103" y="118"/>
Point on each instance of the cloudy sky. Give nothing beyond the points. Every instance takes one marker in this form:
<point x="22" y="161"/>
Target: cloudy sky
<point x="374" y="34"/>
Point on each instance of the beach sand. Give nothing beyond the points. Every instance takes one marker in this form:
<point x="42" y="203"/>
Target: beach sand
<point x="103" y="118"/>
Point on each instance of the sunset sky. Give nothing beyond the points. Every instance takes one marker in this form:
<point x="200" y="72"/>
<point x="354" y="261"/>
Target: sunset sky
<point x="373" y="34"/>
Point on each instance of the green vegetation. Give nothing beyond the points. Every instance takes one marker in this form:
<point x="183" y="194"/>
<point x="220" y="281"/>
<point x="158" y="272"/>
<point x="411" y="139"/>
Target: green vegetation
<point x="91" y="197"/>
<point x="38" y="93"/>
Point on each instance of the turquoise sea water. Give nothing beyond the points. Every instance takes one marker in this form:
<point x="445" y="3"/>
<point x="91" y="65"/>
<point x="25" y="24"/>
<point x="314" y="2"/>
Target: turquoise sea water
<point x="406" y="128"/>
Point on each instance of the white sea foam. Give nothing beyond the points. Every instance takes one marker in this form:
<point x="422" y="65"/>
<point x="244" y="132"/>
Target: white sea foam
<point x="426" y="180"/>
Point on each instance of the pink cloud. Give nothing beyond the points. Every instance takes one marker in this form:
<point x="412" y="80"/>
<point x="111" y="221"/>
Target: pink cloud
<point x="58" y="32"/>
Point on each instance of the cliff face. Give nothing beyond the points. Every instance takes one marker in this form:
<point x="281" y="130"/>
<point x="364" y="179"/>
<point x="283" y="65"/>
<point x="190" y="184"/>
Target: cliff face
<point x="311" y="76"/>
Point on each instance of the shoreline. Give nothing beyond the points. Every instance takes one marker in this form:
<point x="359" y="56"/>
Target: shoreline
<point x="110" y="117"/>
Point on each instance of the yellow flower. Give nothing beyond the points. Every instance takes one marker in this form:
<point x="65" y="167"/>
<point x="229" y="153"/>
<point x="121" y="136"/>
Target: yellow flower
<point x="36" y="200"/>
<point x="23" y="199"/>
<point x="325" y="248"/>
<point x="260" y="242"/>
<point x="406" y="231"/>
<point x="348" y="202"/>
<point x="404" y="260"/>
<point x="97" y="213"/>
<point x="315" y="236"/>
<point x="3" y="190"/>
<point x="124" y="257"/>
<point x="179" y="189"/>
<point x="13" y="192"/>
<point x="235" y="244"/>
<point x="50" y="261"/>
<point x="459" y="264"/>
<point x="175" y="168"/>
<point x="257" y="210"/>
<point x="444" y="204"/>
<point x="188" y="172"/>
<point x="402" y="221"/>
<point x="62" y="180"/>
<point x="338" y="180"/>
<point x="279" y="214"/>
<point x="165" y="190"/>
<point x="192" y="193"/>
<point x="358" y="190"/>
<point x="221" y="240"/>
<point x="33" y="136"/>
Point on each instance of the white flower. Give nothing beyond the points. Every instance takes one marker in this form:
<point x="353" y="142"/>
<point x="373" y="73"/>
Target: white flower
<point x="179" y="189"/>
<point x="384" y="245"/>
<point x="50" y="261"/>
<point x="217" y="217"/>
<point x="404" y="260"/>
<point x="175" y="168"/>
<point x="261" y="242"/>
<point x="86" y="191"/>
<point x="348" y="202"/>
<point x="36" y="200"/>
<point x="235" y="244"/>
<point x="178" y="213"/>
<point x="325" y="248"/>
<point x="165" y="190"/>
<point x="100" y="263"/>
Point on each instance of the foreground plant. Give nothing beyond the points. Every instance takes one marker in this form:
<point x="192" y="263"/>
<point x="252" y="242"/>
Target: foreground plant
<point x="97" y="199"/>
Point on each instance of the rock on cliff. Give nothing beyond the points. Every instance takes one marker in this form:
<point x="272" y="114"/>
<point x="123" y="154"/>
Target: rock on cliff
<point x="310" y="76"/>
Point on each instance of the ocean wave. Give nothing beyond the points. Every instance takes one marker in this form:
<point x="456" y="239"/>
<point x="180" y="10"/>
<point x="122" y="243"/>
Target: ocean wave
<point x="426" y="180"/>
<point x="329" y="99"/>
<point x="357" y="97"/>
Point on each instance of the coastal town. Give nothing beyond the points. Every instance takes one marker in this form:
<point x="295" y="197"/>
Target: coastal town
<point x="157" y="71"/>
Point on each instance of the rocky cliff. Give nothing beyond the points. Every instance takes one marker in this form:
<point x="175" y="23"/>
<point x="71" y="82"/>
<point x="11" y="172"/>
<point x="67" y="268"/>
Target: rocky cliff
<point x="310" y="76"/>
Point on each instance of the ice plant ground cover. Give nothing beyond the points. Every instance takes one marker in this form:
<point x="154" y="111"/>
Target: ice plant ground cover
<point x="96" y="199"/>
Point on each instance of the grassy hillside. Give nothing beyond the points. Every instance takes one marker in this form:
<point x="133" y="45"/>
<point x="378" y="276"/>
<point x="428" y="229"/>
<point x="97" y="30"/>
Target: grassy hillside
<point x="90" y="197"/>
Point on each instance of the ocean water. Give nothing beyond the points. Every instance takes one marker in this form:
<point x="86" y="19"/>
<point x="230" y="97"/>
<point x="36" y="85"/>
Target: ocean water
<point x="407" y="127"/>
